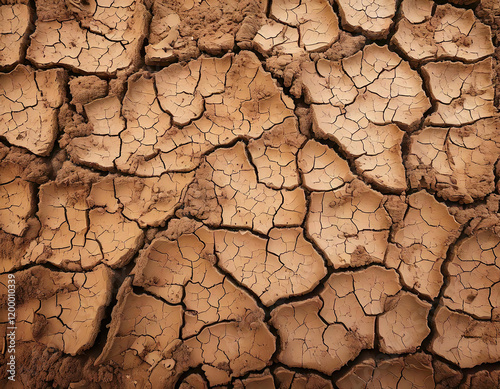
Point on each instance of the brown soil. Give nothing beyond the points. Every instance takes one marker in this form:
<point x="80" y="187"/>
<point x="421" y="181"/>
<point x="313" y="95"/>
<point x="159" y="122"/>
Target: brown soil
<point x="250" y="194"/>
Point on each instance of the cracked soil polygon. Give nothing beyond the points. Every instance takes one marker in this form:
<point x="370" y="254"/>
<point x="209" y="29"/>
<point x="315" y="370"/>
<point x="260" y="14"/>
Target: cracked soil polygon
<point x="421" y="242"/>
<point x="349" y="225"/>
<point x="451" y="33"/>
<point x="28" y="107"/>
<point x="252" y="194"/>
<point x="15" y="20"/>
<point x="455" y="162"/>
<point x="64" y="310"/>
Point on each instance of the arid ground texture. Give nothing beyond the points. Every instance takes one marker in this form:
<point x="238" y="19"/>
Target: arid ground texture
<point x="250" y="194"/>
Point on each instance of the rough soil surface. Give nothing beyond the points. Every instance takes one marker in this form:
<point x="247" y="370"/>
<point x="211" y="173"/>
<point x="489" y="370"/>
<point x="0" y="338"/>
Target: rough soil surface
<point x="250" y="194"/>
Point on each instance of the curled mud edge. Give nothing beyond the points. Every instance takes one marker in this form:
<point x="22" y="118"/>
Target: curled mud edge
<point x="249" y="194"/>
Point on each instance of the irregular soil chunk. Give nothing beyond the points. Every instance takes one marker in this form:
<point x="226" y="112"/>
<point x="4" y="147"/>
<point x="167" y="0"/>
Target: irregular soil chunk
<point x="256" y="381"/>
<point x="74" y="236"/>
<point x="28" y="107"/>
<point x="277" y="38"/>
<point x="180" y="30"/>
<point x="210" y="87"/>
<point x="355" y="299"/>
<point x="288" y="379"/>
<point x="61" y="310"/>
<point x="421" y="243"/>
<point x="372" y="18"/>
<point x="152" y="200"/>
<point x="463" y="93"/>
<point x="416" y="11"/>
<point x="456" y="162"/>
<point x="108" y="38"/>
<point x="101" y="148"/>
<point x="274" y="155"/>
<point x="349" y="225"/>
<point x="250" y="194"/>
<point x="183" y="270"/>
<point x="285" y="265"/>
<point x="142" y="329"/>
<point x="308" y="342"/>
<point x="193" y="381"/>
<point x="15" y="22"/>
<point x="415" y="371"/>
<point x="463" y="340"/>
<point x="403" y="326"/>
<point x="85" y="89"/>
<point x="227" y="350"/>
<point x="322" y="168"/>
<point x="245" y="202"/>
<point x="472" y="276"/>
<point x="17" y="201"/>
<point x="487" y="378"/>
<point x="358" y="103"/>
<point x="452" y="33"/>
<point x="316" y="21"/>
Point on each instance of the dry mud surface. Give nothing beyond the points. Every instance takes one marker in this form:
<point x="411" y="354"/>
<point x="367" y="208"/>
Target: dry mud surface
<point x="252" y="194"/>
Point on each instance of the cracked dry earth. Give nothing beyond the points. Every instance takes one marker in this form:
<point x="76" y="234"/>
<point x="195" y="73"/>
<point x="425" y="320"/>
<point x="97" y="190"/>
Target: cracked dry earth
<point x="252" y="194"/>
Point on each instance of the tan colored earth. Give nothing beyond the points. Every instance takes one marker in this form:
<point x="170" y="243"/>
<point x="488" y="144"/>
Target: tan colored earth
<point x="253" y="194"/>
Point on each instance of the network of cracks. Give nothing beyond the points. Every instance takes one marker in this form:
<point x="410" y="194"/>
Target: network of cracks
<point x="250" y="194"/>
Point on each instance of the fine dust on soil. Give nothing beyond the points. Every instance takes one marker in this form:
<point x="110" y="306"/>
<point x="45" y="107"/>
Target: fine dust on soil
<point x="250" y="194"/>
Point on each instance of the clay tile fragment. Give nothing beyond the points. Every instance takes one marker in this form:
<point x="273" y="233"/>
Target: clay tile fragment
<point x="308" y="342"/>
<point x="316" y="21"/>
<point x="15" y="21"/>
<point x="472" y="276"/>
<point x="372" y="18"/>
<point x="422" y="241"/>
<point x="463" y="340"/>
<point x="349" y="225"/>
<point x="60" y="310"/>
<point x="322" y="168"/>
<point x="285" y="265"/>
<point x="28" y="107"/>
<point x="452" y="33"/>
<point x="456" y="162"/>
